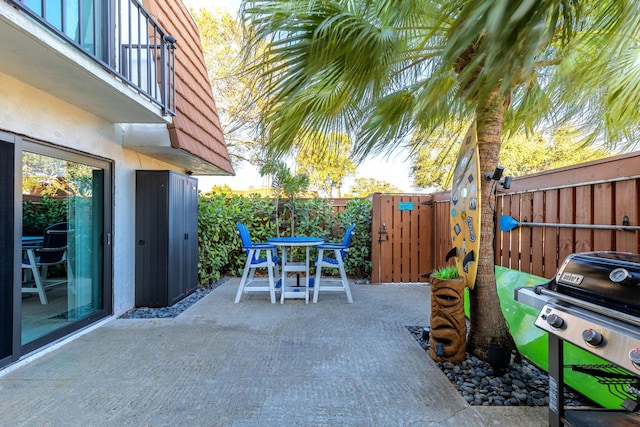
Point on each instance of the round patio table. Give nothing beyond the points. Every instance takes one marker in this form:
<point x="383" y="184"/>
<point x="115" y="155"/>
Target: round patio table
<point x="295" y="267"/>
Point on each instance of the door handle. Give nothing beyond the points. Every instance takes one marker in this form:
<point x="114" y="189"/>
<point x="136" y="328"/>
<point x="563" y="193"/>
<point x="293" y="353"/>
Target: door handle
<point x="383" y="232"/>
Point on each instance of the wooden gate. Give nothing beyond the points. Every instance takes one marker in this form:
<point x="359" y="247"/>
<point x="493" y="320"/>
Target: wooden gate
<point x="402" y="238"/>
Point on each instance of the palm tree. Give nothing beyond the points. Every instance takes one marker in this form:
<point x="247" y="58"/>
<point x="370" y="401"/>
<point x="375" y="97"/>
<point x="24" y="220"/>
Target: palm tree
<point x="380" y="69"/>
<point x="285" y="183"/>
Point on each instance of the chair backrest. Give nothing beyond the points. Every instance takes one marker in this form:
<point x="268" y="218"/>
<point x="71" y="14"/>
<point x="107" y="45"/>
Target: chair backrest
<point x="54" y="243"/>
<point x="346" y="241"/>
<point x="348" y="235"/>
<point x="244" y="235"/>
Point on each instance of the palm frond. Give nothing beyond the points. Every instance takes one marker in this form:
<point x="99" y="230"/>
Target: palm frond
<point x="378" y="69"/>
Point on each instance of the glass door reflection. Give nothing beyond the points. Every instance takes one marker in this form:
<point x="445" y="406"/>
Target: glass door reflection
<point x="62" y="256"/>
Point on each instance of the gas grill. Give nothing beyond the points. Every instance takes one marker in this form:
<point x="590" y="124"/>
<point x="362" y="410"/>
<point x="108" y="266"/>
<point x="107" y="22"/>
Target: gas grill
<point x="593" y="302"/>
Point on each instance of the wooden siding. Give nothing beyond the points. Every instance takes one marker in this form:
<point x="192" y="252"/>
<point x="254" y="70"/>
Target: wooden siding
<point x="196" y="127"/>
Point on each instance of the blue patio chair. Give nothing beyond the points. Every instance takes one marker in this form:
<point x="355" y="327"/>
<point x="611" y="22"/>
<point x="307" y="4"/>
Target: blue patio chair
<point x="335" y="261"/>
<point x="254" y="261"/>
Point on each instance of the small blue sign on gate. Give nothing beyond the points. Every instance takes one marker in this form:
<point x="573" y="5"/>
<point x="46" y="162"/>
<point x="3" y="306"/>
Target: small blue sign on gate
<point x="405" y="206"/>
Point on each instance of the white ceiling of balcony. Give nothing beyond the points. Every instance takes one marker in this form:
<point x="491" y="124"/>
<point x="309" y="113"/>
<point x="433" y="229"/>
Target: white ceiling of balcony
<point x="35" y="56"/>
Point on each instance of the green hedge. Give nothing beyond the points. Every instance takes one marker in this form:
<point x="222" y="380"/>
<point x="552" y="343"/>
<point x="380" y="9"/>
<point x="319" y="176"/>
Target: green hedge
<point x="220" y="251"/>
<point x="36" y="216"/>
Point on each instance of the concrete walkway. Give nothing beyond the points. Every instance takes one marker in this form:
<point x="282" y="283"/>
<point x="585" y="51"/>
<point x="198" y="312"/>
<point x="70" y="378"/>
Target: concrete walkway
<point x="252" y="364"/>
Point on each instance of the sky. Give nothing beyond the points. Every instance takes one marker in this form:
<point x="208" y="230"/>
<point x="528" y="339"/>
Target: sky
<point x="232" y="5"/>
<point x="391" y="168"/>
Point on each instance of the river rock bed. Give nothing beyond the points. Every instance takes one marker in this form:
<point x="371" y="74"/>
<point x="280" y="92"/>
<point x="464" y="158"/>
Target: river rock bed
<point x="518" y="384"/>
<point x="174" y="310"/>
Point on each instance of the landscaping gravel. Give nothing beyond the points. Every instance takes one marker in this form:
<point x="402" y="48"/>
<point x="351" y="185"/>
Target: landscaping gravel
<point x="174" y="310"/>
<point x="188" y="301"/>
<point x="518" y="384"/>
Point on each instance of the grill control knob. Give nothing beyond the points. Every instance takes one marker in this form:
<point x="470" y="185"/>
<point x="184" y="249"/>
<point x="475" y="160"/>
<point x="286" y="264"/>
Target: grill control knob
<point x="555" y="321"/>
<point x="592" y="337"/>
<point x="634" y="356"/>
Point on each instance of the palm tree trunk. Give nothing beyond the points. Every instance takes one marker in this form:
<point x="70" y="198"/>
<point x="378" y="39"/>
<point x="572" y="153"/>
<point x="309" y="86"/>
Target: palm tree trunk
<point x="488" y="326"/>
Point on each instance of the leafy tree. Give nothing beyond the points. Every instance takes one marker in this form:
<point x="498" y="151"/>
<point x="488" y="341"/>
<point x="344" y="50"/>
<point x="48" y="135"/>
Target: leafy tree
<point x="327" y="165"/>
<point x="380" y="69"/>
<point x="363" y="187"/>
<point x="520" y="155"/>
<point x="285" y="184"/>
<point x="49" y="176"/>
<point x="435" y="156"/>
<point x="220" y="189"/>
<point x="233" y="87"/>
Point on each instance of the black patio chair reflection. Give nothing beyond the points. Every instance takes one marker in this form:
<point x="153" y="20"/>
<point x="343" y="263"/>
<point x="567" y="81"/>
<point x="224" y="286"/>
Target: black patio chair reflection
<point x="38" y="258"/>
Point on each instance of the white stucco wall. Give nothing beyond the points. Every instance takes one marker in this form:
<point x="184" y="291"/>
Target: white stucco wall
<point x="33" y="113"/>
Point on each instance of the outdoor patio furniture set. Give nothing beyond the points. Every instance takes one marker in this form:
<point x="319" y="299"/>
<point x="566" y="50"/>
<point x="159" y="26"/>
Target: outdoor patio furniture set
<point x="264" y="255"/>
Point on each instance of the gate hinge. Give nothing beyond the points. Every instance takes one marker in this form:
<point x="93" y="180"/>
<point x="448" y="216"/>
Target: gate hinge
<point x="428" y="203"/>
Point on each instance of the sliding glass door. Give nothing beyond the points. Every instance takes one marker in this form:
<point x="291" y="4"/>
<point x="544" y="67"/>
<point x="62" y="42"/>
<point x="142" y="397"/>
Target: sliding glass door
<point x="62" y="284"/>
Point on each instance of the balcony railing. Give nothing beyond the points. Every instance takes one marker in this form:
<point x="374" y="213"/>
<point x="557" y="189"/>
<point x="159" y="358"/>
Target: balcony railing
<point x="118" y="34"/>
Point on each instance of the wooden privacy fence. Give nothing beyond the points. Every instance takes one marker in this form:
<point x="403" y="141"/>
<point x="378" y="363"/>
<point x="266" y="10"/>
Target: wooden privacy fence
<point x="339" y="204"/>
<point x="603" y="192"/>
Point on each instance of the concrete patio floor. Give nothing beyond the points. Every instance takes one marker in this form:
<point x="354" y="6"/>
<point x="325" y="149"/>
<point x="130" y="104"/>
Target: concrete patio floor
<point x="252" y="364"/>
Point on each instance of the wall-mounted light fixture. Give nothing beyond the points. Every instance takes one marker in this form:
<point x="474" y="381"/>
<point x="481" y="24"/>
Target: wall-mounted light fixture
<point x="506" y="182"/>
<point x="497" y="175"/>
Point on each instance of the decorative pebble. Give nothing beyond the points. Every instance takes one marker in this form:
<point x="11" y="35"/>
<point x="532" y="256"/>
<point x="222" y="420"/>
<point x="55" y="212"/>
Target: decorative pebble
<point x="174" y="310"/>
<point x="519" y="384"/>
